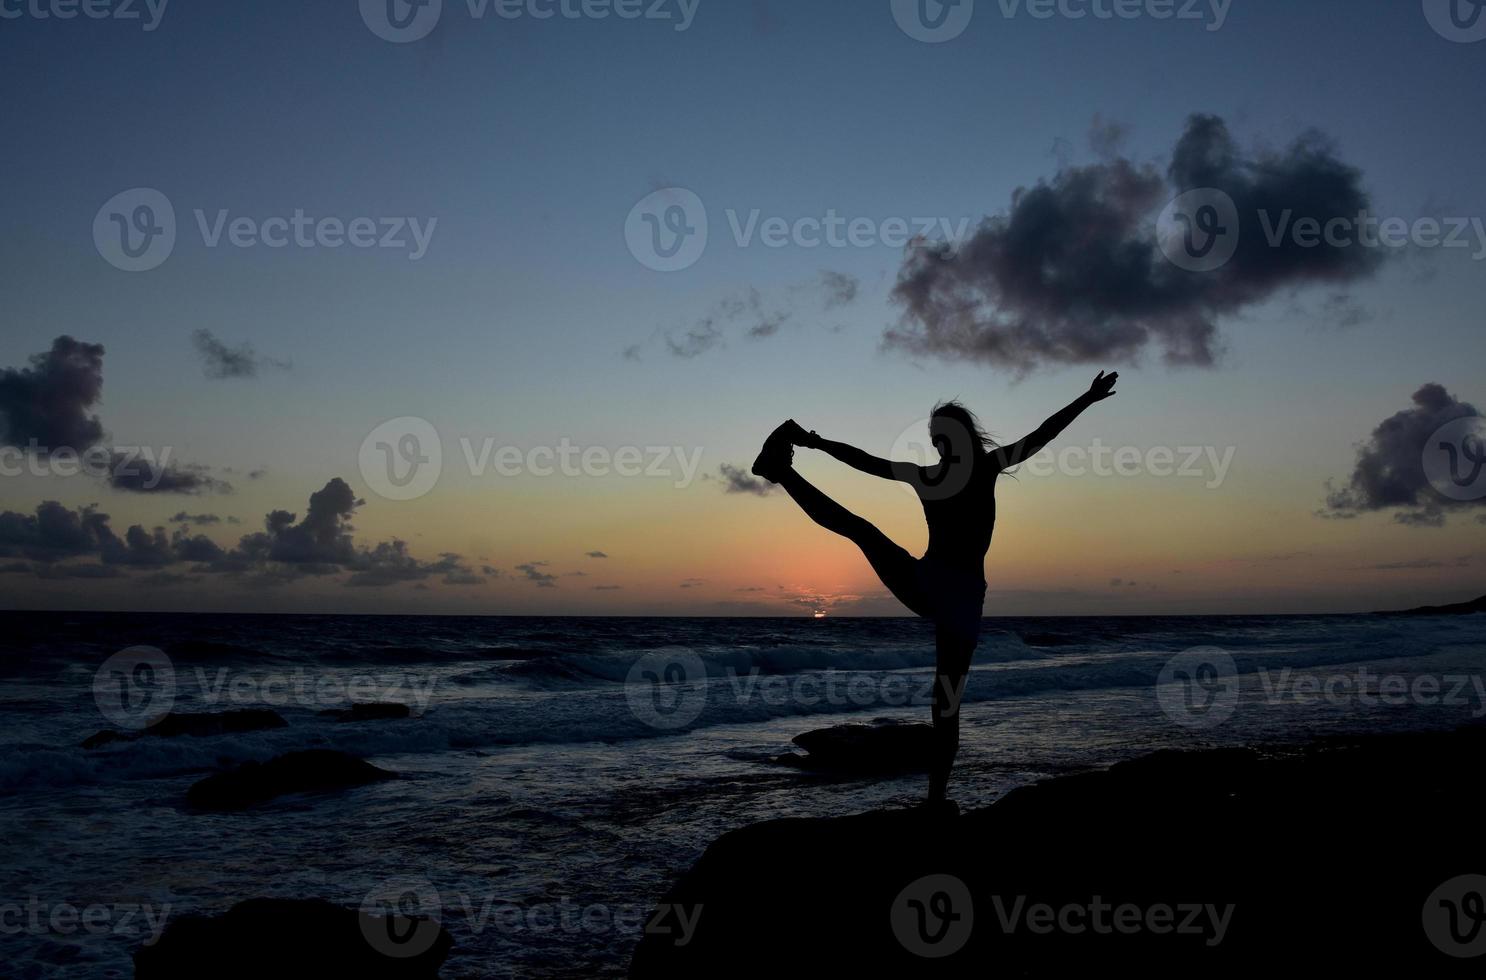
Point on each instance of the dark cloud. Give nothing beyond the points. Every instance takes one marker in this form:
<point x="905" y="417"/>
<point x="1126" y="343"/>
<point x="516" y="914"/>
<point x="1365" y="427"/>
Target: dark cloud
<point x="1421" y="563"/>
<point x="1073" y="273"/>
<point x="54" y="533"/>
<point x="137" y="474"/>
<point x="736" y="480"/>
<point x="840" y="288"/>
<point x="597" y="554"/>
<point x="287" y="549"/>
<point x="221" y="362"/>
<point x="45" y="406"/>
<point x="1106" y="137"/>
<point x="200" y="520"/>
<point x="694" y="341"/>
<point x="533" y="572"/>
<point x="389" y="563"/>
<point x="1389" y="472"/>
<point x="754" y="315"/>
<point x="323" y="537"/>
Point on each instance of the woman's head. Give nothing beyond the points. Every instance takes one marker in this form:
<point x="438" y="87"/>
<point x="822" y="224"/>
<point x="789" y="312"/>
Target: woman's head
<point x="956" y="432"/>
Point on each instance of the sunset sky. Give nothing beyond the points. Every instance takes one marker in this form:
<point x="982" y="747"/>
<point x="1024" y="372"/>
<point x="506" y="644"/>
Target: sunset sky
<point x="520" y="146"/>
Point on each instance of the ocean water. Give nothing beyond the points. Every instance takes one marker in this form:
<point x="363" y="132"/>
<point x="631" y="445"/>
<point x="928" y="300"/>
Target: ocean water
<point x="559" y="773"/>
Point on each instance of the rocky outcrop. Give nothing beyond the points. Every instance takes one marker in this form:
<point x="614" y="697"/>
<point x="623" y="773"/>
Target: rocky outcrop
<point x="312" y="771"/>
<point x="885" y="746"/>
<point x="1346" y="856"/>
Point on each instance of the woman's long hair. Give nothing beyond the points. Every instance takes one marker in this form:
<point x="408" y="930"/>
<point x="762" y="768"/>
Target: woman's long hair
<point x="966" y="419"/>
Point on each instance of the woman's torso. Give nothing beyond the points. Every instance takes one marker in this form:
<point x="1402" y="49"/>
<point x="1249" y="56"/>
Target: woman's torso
<point x="960" y="508"/>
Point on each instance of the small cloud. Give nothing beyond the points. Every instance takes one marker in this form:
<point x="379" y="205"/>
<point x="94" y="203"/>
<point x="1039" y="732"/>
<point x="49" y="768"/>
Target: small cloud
<point x="597" y="554"/>
<point x="200" y="520"/>
<point x="137" y="474"/>
<point x="533" y="572"/>
<point x="840" y="288"/>
<point x="221" y="362"/>
<point x="735" y="480"/>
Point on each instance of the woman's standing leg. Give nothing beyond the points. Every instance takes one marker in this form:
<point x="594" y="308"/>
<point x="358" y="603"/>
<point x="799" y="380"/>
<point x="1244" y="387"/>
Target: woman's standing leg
<point x="953" y="651"/>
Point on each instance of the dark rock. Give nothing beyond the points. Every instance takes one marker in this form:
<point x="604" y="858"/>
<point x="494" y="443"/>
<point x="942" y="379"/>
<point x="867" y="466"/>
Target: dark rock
<point x="198" y="725"/>
<point x="371" y="711"/>
<point x="1329" y="857"/>
<point x="266" y="937"/>
<point x="884" y="746"/>
<point x="312" y="771"/>
<point x="1454" y="609"/>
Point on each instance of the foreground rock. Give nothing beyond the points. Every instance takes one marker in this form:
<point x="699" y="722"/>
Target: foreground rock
<point x="199" y="725"/>
<point x="312" y="771"/>
<point x="884" y="746"/>
<point x="266" y="938"/>
<point x="1226" y="862"/>
<point x="370" y="711"/>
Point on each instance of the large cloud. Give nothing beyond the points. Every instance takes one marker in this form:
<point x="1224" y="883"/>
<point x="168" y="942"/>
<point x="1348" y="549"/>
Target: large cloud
<point x="1389" y="473"/>
<point x="45" y="406"/>
<point x="1073" y="273"/>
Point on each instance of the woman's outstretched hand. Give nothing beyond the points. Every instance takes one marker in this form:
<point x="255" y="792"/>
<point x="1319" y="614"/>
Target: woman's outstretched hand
<point x="1103" y="386"/>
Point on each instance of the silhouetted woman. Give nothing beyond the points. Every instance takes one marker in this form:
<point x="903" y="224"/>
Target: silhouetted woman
<point x="946" y="585"/>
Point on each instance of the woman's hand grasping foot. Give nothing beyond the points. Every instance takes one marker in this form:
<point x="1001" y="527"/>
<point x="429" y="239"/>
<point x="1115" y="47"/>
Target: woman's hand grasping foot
<point x="1103" y="386"/>
<point x="797" y="435"/>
